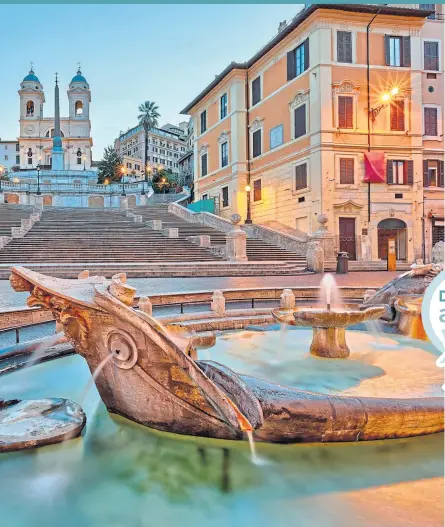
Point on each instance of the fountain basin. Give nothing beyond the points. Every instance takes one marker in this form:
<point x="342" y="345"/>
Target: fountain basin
<point x="329" y="338"/>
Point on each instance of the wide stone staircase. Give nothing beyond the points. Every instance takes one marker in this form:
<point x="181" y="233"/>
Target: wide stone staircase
<point x="11" y="216"/>
<point x="257" y="250"/>
<point x="68" y="240"/>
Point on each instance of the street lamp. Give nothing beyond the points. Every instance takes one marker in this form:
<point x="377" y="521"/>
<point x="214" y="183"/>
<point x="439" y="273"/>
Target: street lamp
<point x="123" y="180"/>
<point x="384" y="99"/>
<point x="84" y="158"/>
<point x="38" y="178"/>
<point x="164" y="183"/>
<point x="248" y="217"/>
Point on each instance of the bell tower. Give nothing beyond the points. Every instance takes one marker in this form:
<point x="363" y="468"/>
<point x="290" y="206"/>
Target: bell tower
<point x="79" y="97"/>
<point x="31" y="98"/>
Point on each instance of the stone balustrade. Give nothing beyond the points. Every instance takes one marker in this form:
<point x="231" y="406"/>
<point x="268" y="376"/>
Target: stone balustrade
<point x="155" y="225"/>
<point x="171" y="232"/>
<point x="200" y="241"/>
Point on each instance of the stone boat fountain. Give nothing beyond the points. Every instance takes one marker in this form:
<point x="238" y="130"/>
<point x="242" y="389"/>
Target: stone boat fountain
<point x="148" y="373"/>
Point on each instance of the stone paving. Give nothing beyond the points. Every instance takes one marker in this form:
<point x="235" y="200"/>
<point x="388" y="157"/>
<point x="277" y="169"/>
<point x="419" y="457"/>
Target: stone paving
<point x="150" y="286"/>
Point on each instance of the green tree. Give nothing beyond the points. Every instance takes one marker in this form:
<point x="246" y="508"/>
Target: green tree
<point x="148" y="119"/>
<point x="110" y="166"/>
<point x="163" y="180"/>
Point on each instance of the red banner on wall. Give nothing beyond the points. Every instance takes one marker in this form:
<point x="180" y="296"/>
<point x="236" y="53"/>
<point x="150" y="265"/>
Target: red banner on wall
<point x="374" y="167"/>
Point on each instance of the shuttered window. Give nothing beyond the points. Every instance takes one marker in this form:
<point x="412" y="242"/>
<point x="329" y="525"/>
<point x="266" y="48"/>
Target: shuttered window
<point x="431" y="56"/>
<point x="256" y="143"/>
<point x="441" y="176"/>
<point x="298" y="60"/>
<point x="346" y="171"/>
<point x="397" y="117"/>
<point x="345" y="112"/>
<point x="399" y="172"/>
<point x="397" y="51"/>
<point x="256" y="91"/>
<point x="225" y="196"/>
<point x="203" y="121"/>
<point x="300" y="121"/>
<point x="257" y="190"/>
<point x="204" y="165"/>
<point x="344" y="46"/>
<point x="430" y="121"/>
<point x="301" y="176"/>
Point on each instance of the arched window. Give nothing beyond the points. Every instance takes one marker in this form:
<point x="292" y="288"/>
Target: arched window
<point x="29" y="108"/>
<point x="78" y="108"/>
<point x="79" y="156"/>
<point x="50" y="133"/>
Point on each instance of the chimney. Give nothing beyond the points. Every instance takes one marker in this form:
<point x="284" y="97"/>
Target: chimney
<point x="281" y="26"/>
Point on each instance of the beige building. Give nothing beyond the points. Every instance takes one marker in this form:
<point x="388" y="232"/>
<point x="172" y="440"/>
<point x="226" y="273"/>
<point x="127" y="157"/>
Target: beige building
<point x="340" y="113"/>
<point x="165" y="147"/>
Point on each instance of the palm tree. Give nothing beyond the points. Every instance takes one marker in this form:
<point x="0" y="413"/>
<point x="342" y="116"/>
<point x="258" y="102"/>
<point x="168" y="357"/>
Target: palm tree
<point x="148" y="119"/>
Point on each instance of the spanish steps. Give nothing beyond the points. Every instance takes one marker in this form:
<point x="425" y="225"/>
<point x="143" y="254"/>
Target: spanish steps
<point x="68" y="240"/>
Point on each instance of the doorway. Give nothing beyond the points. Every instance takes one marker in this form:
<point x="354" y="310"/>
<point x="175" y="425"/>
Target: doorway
<point x="392" y="228"/>
<point x="347" y="237"/>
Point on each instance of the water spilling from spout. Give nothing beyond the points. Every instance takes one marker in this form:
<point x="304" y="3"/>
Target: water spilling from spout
<point x="254" y="457"/>
<point x="96" y="373"/>
<point x="329" y="292"/>
<point x="43" y="346"/>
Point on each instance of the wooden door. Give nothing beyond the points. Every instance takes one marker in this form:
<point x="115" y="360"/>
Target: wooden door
<point x="384" y="234"/>
<point x="347" y="236"/>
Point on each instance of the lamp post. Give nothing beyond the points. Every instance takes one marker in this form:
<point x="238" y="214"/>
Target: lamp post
<point x="84" y="161"/>
<point x="123" y="180"/>
<point x="248" y="216"/>
<point x="38" y="179"/>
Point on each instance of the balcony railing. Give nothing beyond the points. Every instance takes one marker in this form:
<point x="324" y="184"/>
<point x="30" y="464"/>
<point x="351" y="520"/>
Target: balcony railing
<point x="78" y="188"/>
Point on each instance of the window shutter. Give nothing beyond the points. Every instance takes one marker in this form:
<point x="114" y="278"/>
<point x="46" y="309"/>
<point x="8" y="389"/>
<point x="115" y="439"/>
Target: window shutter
<point x="430" y="118"/>
<point x="300" y="121"/>
<point x="301" y="177"/>
<point x="440" y="173"/>
<point x="256" y="91"/>
<point x="256" y="150"/>
<point x="426" y="178"/>
<point x="291" y="65"/>
<point x="342" y="171"/>
<point x="348" y="47"/>
<point x="306" y="54"/>
<point x="409" y="172"/>
<point x="341" y="46"/>
<point x="397" y="115"/>
<point x="406" y="52"/>
<point x="389" y="172"/>
<point x="345" y="112"/>
<point x="387" y="53"/>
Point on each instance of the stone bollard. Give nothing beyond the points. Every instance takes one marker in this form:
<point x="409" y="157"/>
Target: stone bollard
<point x="438" y="253"/>
<point x="137" y="218"/>
<point x="156" y="225"/>
<point x="4" y="240"/>
<point x="315" y="257"/>
<point x="200" y="241"/>
<point x="38" y="202"/>
<point x="17" y="232"/>
<point x="83" y="274"/>
<point x="218" y="304"/>
<point x="287" y="299"/>
<point x="171" y="232"/>
<point x="26" y="224"/>
<point x="145" y="305"/>
<point x="325" y="238"/>
<point x="236" y="241"/>
<point x="35" y="217"/>
<point x="123" y="203"/>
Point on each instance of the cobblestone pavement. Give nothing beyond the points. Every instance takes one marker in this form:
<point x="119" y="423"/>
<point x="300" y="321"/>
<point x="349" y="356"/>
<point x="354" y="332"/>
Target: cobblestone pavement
<point x="150" y="286"/>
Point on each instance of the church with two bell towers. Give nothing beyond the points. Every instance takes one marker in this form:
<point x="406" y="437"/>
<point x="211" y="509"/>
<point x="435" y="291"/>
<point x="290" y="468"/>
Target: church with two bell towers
<point x="37" y="133"/>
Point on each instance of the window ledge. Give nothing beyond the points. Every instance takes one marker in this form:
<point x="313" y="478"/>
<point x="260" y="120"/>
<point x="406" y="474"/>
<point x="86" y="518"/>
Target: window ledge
<point x="299" y="192"/>
<point x="347" y="186"/>
<point x="434" y="189"/>
<point x="438" y="72"/>
<point x="397" y="186"/>
<point x="432" y="138"/>
<point x="259" y="202"/>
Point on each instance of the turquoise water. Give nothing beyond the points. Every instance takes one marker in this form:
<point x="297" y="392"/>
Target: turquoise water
<point x="119" y="474"/>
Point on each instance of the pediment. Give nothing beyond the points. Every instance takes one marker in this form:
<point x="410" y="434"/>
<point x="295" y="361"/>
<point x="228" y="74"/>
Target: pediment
<point x="348" y="206"/>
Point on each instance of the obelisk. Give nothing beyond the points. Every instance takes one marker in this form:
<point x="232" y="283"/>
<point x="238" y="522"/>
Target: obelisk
<point x="57" y="151"/>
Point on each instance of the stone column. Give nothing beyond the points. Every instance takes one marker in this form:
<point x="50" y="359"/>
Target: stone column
<point x="218" y="304"/>
<point x="315" y="257"/>
<point x="236" y="241"/>
<point x="325" y="238"/>
<point x="123" y="203"/>
<point x="38" y="202"/>
<point x="287" y="299"/>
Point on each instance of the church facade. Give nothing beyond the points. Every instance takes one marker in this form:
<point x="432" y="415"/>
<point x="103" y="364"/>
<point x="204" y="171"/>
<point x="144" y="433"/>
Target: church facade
<point x="37" y="132"/>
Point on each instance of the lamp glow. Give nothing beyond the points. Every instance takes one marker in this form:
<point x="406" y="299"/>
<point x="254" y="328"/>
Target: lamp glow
<point x="385" y="97"/>
<point x="248" y="188"/>
<point x="395" y="91"/>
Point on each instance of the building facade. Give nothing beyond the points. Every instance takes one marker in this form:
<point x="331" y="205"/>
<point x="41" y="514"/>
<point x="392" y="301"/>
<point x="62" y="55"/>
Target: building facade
<point x="164" y="147"/>
<point x="37" y="131"/>
<point x="302" y="126"/>
<point x="9" y="155"/>
<point x="186" y="161"/>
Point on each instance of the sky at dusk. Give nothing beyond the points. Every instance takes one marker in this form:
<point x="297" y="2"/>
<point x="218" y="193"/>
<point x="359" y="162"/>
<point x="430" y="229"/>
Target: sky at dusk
<point x="128" y="54"/>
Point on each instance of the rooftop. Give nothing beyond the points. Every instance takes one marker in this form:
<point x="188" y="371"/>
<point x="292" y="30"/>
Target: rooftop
<point x="294" y="23"/>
